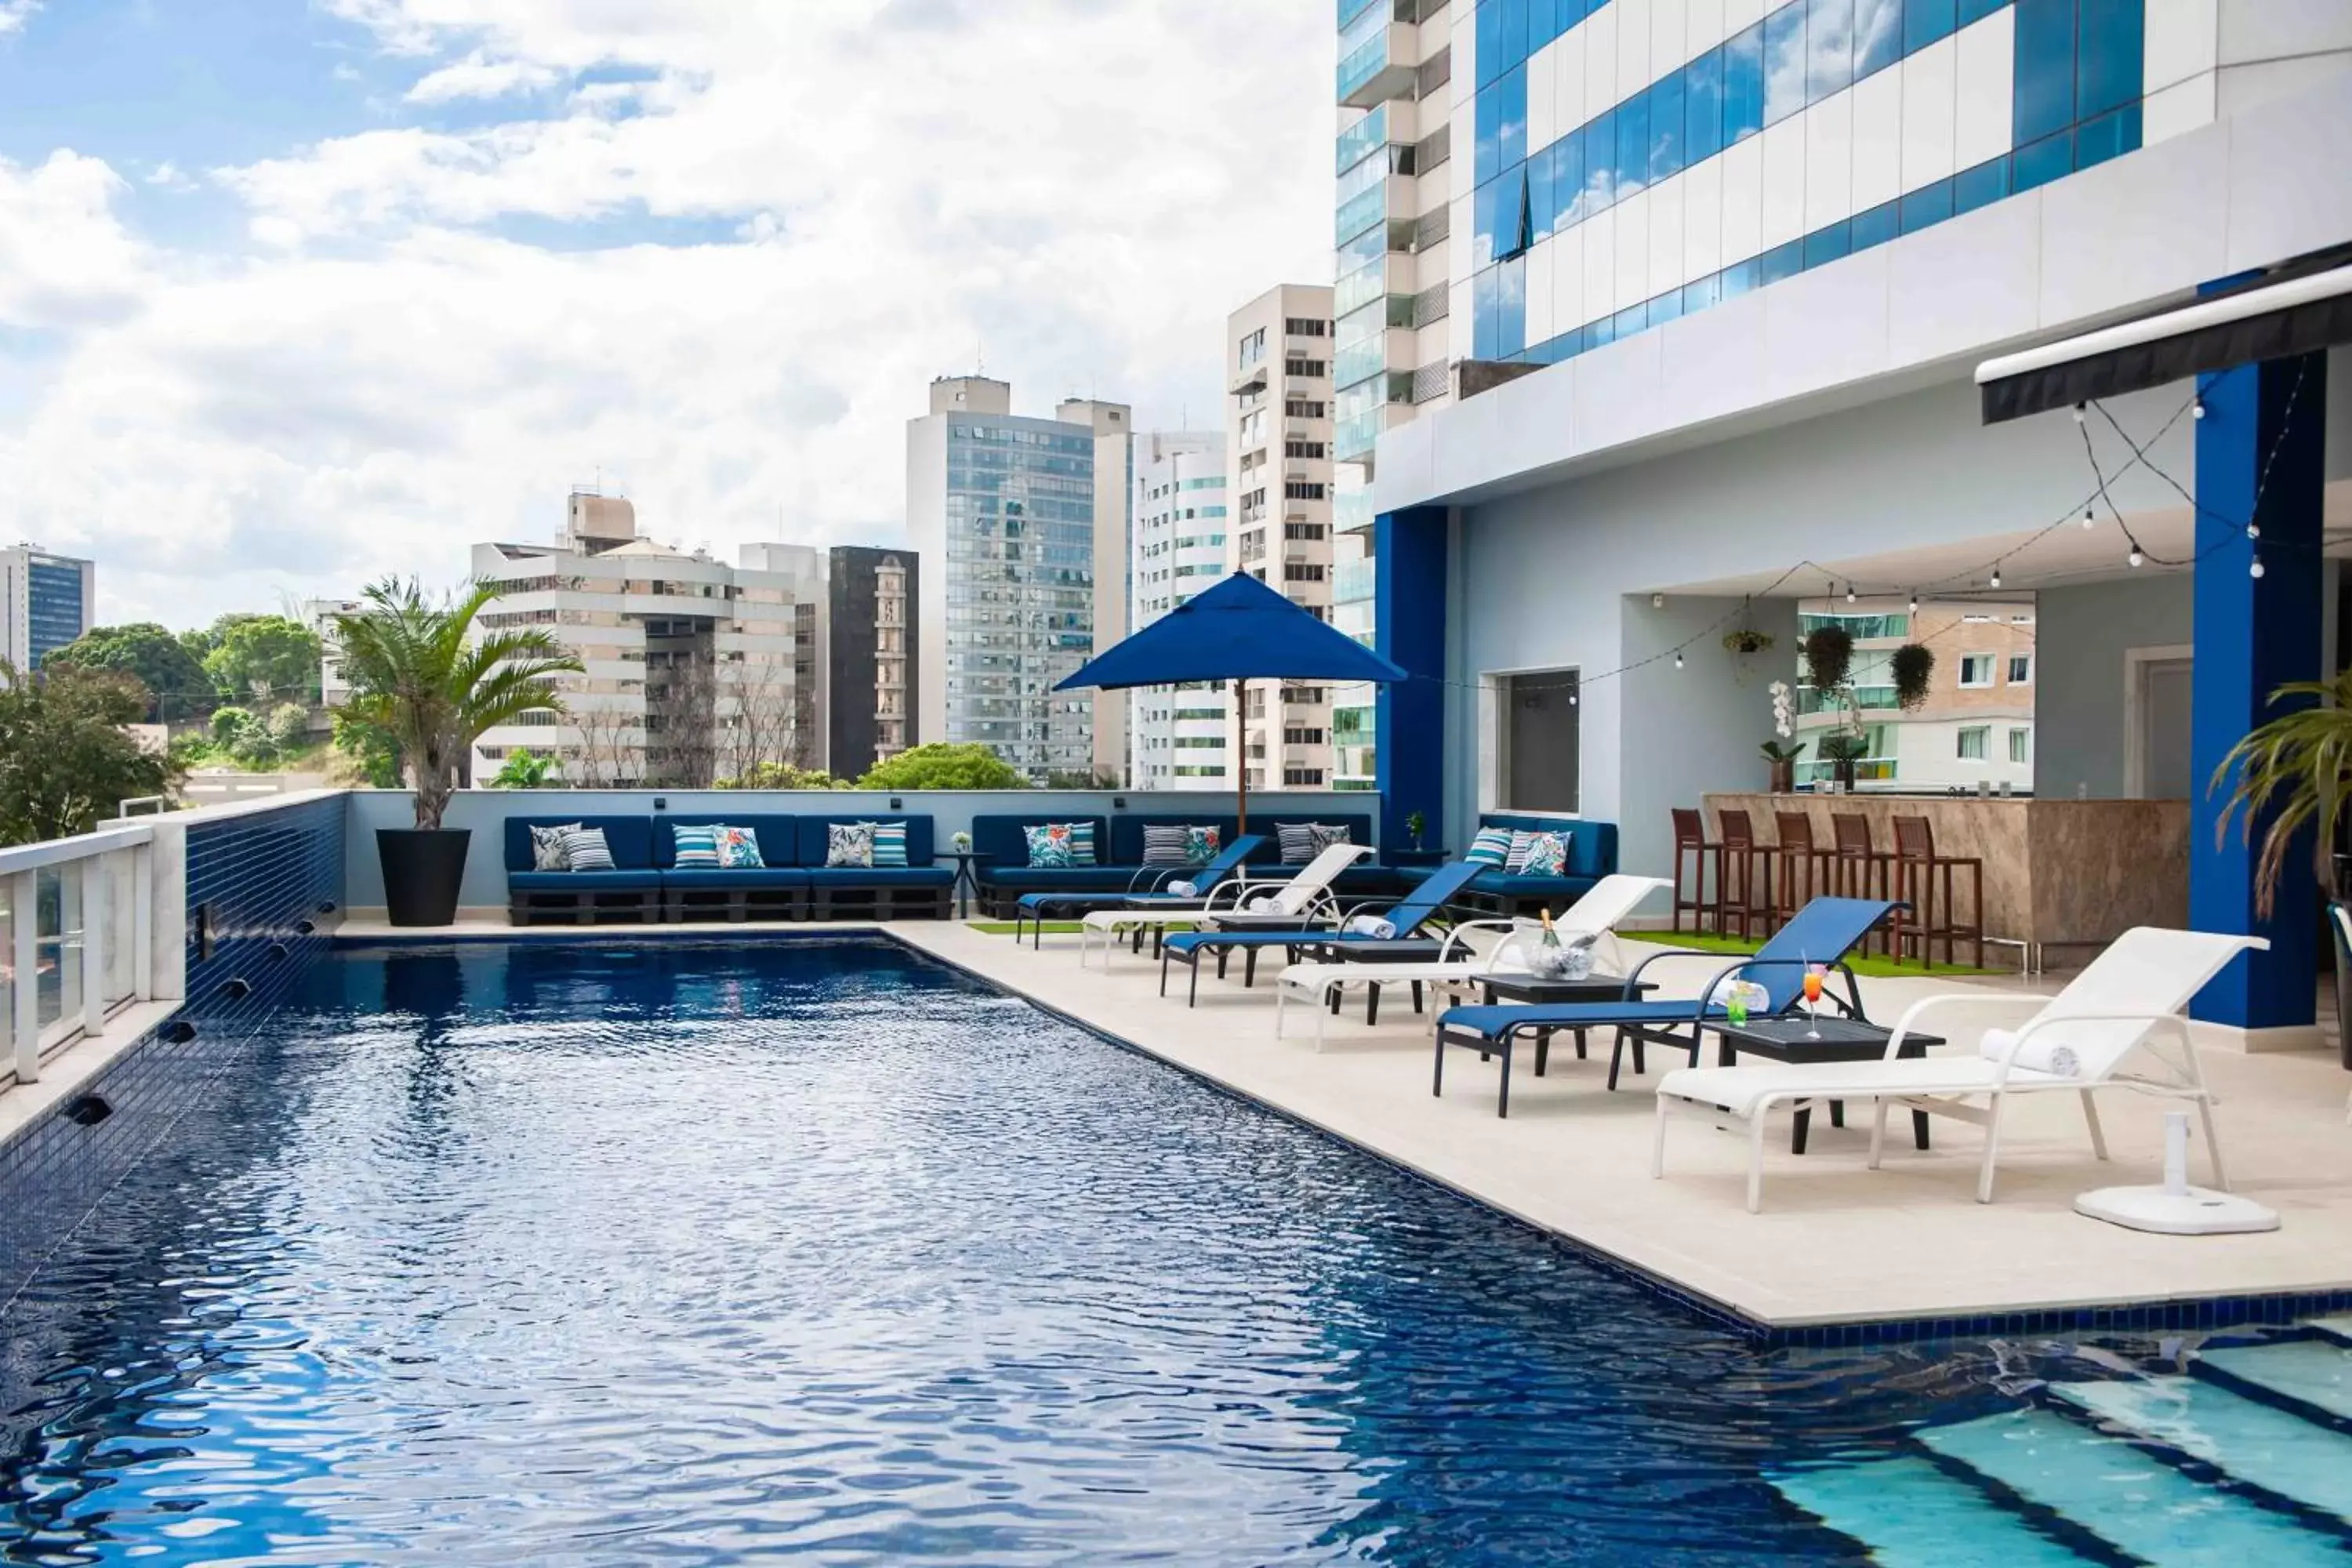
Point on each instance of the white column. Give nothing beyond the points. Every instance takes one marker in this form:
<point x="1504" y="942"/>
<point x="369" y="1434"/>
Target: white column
<point x="93" y="944"/>
<point x="25" y="921"/>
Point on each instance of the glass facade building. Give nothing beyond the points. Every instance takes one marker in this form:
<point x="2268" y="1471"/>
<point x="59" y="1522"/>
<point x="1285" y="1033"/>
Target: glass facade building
<point x="49" y="601"/>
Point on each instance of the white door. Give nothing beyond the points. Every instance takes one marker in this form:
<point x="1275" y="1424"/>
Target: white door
<point x="2156" y="762"/>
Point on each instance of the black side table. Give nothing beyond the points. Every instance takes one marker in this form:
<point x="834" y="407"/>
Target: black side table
<point x="1418" y="856"/>
<point x="964" y="889"/>
<point x="1839" y="1040"/>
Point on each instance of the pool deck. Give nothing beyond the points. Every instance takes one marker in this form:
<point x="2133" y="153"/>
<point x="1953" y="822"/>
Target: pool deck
<point x="1836" y="1243"/>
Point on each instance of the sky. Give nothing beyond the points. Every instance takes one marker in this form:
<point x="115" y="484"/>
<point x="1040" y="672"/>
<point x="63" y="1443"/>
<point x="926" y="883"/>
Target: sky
<point x="295" y="294"/>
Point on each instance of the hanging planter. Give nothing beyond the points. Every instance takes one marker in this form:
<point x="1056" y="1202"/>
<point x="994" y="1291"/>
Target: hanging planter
<point x="1914" y="668"/>
<point x="1744" y="642"/>
<point x="1829" y="655"/>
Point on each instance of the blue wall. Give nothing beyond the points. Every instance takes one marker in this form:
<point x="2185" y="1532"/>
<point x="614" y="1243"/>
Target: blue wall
<point x="1412" y="551"/>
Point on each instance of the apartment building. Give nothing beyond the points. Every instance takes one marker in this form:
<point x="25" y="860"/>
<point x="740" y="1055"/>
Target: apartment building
<point x="46" y="602"/>
<point x="1178" y="737"/>
<point x="1975" y="725"/>
<point x="1025" y="524"/>
<point x="1278" y="438"/>
<point x="692" y="666"/>
<point x="321" y="615"/>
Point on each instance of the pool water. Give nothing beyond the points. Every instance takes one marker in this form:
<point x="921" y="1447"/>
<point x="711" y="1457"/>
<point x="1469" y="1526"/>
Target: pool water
<point x="621" y="1253"/>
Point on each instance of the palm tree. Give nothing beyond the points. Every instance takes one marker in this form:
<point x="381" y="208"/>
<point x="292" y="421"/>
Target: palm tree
<point x="2294" y="771"/>
<point x="419" y="674"/>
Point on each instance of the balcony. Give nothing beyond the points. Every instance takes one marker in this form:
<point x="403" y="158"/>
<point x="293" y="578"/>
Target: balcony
<point x="1389" y="350"/>
<point x="1386" y="66"/>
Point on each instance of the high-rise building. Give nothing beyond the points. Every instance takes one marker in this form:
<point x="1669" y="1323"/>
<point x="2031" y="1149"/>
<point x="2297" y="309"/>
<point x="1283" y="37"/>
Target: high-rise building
<point x="1014" y="513"/>
<point x="320" y="616"/>
<point x="1278" y="438"/>
<point x="691" y="665"/>
<point x="46" y="602"/>
<point x="854" y="657"/>
<point x="1178" y="737"/>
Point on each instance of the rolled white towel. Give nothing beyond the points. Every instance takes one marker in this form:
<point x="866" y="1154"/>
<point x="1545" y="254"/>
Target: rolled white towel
<point x="1731" y="985"/>
<point x="1182" y="889"/>
<point x="2040" y="1053"/>
<point x="1265" y="904"/>
<point x="1371" y="926"/>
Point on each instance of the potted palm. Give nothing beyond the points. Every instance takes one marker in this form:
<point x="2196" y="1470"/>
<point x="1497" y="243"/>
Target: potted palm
<point x="420" y="674"/>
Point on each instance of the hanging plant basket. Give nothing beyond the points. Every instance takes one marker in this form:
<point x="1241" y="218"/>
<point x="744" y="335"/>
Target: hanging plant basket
<point x="1914" y="668"/>
<point x="1829" y="655"/>
<point x="1747" y="640"/>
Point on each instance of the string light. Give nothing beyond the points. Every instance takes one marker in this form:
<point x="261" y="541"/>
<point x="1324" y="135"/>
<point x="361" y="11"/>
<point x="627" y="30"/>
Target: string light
<point x="2256" y="569"/>
<point x="1915" y="603"/>
<point x="2078" y="414"/>
<point x="1678" y="659"/>
<point x="2088" y="520"/>
<point x="2196" y="410"/>
<point x="1849" y="593"/>
<point x="1996" y="574"/>
<point x="2135" y="557"/>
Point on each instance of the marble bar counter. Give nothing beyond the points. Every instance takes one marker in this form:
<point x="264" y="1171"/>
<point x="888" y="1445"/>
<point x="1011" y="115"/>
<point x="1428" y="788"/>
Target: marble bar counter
<point x="2061" y="873"/>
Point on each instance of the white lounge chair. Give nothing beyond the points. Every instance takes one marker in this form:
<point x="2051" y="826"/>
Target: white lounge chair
<point x="1473" y="949"/>
<point x="1297" y="898"/>
<point x="2128" y="997"/>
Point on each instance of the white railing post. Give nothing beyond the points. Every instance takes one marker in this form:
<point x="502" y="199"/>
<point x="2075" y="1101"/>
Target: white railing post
<point x="93" y="944"/>
<point x="25" y="921"/>
<point x="143" y="922"/>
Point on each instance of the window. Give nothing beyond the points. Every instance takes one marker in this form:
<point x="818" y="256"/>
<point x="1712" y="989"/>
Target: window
<point x="1304" y="326"/>
<point x="1302" y="775"/>
<point x="1302" y="531"/>
<point x="1973" y="742"/>
<point x="1252" y="348"/>
<point x="1303" y="407"/>
<point x="2020" y="669"/>
<point x="1302" y="572"/>
<point x="1301" y="735"/>
<point x="1303" y="448"/>
<point x="2021" y="746"/>
<point x="1304" y="489"/>
<point x="1313" y="368"/>
<point x="1975" y="670"/>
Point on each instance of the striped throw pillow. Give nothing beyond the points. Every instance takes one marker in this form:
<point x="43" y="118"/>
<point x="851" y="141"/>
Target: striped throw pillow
<point x="738" y="849"/>
<point x="1491" y="847"/>
<point x="1297" y="843"/>
<point x="1521" y="842"/>
<point x="1081" y="844"/>
<point x="584" y="849"/>
<point x="890" y="842"/>
<point x="696" y="848"/>
<point x="1164" y="846"/>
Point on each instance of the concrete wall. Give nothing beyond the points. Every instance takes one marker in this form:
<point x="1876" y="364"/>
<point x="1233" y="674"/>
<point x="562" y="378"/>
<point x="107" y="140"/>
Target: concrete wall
<point x="486" y="812"/>
<point x="2078" y="680"/>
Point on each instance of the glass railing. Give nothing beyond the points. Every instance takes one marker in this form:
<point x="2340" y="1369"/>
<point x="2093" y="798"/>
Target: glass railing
<point x="1352" y="510"/>
<point x="1352" y="439"/>
<point x="1351" y="583"/>
<point x="1364" y="137"/>
<point x="1351" y="9"/>
<point x="1361" y="286"/>
<point x="1360" y="362"/>
<point x="1810" y="701"/>
<point x="1363" y="65"/>
<point x="1359" y="213"/>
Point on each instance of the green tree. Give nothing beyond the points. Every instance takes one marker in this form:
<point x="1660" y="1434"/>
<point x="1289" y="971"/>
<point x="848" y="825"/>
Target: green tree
<point x="782" y="775"/>
<point x="525" y="768"/>
<point x="373" y="756"/>
<point x="288" y="726"/>
<point x="419" y="672"/>
<point x="2292" y="777"/>
<point x="65" y="759"/>
<point x="231" y="725"/>
<point x="969" y="764"/>
<point x="264" y="656"/>
<point x="177" y="686"/>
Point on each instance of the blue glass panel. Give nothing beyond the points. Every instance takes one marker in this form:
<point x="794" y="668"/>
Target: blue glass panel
<point x="1977" y="10"/>
<point x="1489" y="45"/>
<point x="1781" y="261"/>
<point x="2045" y="69"/>
<point x="1928" y="204"/>
<point x="1986" y="183"/>
<point x="1514" y="28"/>
<point x="1597" y="333"/>
<point x="1484" y="222"/>
<point x="1784" y="62"/>
<point x="1633" y="166"/>
<point x="1541" y="204"/>
<point x="1568" y="180"/>
<point x="2109" y="45"/>
<point x="1877" y="35"/>
<point x="1878" y="226"/>
<point x="1630" y="320"/>
<point x="2109" y="136"/>
<point x="1828" y="244"/>
<point x="1829" y="48"/>
<point x="1511" y="304"/>
<point x="1703" y="107"/>
<point x="1698" y="296"/>
<point x="1667" y="154"/>
<point x="1743" y="85"/>
<point x="1485" y="324"/>
<point x="1511" y="123"/>
<point x="1599" y="160"/>
<point x="1542" y="24"/>
<point x="1742" y="277"/>
<point x="2051" y="158"/>
<point x="1666" y="308"/>
<point x="1925" y="21"/>
<point x="1515" y="229"/>
<point x="1487" y="124"/>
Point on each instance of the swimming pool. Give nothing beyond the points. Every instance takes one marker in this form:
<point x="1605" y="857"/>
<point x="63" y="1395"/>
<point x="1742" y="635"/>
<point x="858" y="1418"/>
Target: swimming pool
<point x="631" y="1252"/>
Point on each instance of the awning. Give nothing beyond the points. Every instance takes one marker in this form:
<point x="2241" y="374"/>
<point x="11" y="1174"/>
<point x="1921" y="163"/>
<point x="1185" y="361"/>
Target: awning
<point x="2266" y="319"/>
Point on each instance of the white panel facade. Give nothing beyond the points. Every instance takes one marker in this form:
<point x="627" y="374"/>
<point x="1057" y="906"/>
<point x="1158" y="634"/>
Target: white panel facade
<point x="1877" y="139"/>
<point x="1829" y="161"/>
<point x="1743" y="199"/>
<point x="1784" y="181"/>
<point x="1984" y="88"/>
<point x="1703" y="218"/>
<point x="1669" y="30"/>
<point x="1543" y="96"/>
<point x="1600" y="89"/>
<point x="1930" y="80"/>
<point x="1666" y="215"/>
<point x="1634" y="44"/>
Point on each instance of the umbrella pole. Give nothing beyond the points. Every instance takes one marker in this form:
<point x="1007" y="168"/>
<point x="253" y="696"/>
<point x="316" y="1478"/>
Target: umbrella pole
<point x="1241" y="749"/>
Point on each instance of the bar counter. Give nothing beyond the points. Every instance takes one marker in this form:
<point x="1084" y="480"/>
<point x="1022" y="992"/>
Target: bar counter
<point x="2061" y="873"/>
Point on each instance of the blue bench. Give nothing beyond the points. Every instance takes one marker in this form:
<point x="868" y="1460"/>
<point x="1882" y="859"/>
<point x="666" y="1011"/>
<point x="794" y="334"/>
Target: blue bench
<point x="877" y="893"/>
<point x="1592" y="855"/>
<point x="631" y="892"/>
<point x="1002" y="872"/>
<point x="778" y="892"/>
<point x="646" y="884"/>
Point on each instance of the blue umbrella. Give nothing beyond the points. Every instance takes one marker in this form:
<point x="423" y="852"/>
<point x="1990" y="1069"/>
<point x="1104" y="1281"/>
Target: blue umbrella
<point x="1241" y="630"/>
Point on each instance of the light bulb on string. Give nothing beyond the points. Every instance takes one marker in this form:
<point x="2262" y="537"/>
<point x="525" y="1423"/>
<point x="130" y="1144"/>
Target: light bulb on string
<point x="2254" y="531"/>
<point x="2255" y="569"/>
<point x="2088" y="520"/>
<point x="1678" y="659"/>
<point x="1915" y="603"/>
<point x="2135" y="557"/>
<point x="1996" y="576"/>
<point x="1849" y="593"/>
<point x="2197" y="409"/>
<point x="2078" y="414"/>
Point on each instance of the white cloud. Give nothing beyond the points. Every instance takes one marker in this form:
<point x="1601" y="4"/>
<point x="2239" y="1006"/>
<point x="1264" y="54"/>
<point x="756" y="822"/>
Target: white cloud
<point x="419" y="352"/>
<point x="477" y="76"/>
<point x="15" y="13"/>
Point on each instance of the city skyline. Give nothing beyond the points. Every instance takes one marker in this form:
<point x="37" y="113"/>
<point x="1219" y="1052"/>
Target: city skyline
<point x="228" y="343"/>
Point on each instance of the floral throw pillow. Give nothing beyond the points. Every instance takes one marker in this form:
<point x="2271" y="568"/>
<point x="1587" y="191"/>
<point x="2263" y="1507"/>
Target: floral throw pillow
<point x="1200" y="846"/>
<point x="1049" y="844"/>
<point x="1546" y="856"/>
<point x="547" y="847"/>
<point x="738" y="849"/>
<point x="849" y="843"/>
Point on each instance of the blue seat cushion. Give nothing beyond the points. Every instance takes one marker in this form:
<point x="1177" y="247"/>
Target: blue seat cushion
<point x="630" y="838"/>
<point x="1212" y="939"/>
<point x="880" y="876"/>
<point x="719" y="879"/>
<point x="1491" y="1022"/>
<point x="583" y="881"/>
<point x="1503" y="884"/>
<point x="1071" y="879"/>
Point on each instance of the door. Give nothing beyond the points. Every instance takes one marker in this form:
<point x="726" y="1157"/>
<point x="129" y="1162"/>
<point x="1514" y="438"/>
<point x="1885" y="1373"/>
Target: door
<point x="2164" y="767"/>
<point x="1540" y="740"/>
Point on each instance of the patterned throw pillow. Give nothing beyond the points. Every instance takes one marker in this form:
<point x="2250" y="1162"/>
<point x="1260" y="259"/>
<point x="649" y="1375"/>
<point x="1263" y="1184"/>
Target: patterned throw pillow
<point x="890" y="842"/>
<point x="584" y="849"/>
<point x="1081" y="844"/>
<point x="1165" y="846"/>
<point x="696" y="848"/>
<point x="547" y="846"/>
<point x="738" y="849"/>
<point x="1049" y="844"/>
<point x="1522" y="840"/>
<point x="1321" y="836"/>
<point x="849" y="843"/>
<point x="1297" y="843"/>
<point x="1200" y="846"/>
<point x="1491" y="847"/>
<point x="1546" y="857"/>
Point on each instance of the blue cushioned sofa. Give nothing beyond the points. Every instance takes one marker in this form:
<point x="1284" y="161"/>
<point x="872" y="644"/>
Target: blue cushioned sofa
<point x="1592" y="855"/>
<point x="1002" y="874"/>
<point x="794" y="883"/>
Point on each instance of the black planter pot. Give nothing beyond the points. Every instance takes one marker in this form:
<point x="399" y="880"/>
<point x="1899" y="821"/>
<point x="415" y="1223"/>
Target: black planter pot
<point x="422" y="870"/>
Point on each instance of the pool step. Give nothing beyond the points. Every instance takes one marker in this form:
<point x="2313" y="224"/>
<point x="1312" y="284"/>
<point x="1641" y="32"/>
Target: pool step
<point x="2261" y="1444"/>
<point x="2334" y="1328"/>
<point x="1910" y="1514"/>
<point x="2316" y="1373"/>
<point x="2135" y="1503"/>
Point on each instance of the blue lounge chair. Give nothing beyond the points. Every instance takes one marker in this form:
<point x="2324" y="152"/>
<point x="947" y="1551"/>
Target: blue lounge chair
<point x="1824" y="931"/>
<point x="1420" y="907"/>
<point x="1034" y="909"/>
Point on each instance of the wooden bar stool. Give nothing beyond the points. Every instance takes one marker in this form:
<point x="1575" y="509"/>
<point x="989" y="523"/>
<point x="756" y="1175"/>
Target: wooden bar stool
<point x="1804" y="866"/>
<point x="1691" y="839"/>
<point x="1745" y="863"/>
<point x="1925" y="879"/>
<point x="1860" y="869"/>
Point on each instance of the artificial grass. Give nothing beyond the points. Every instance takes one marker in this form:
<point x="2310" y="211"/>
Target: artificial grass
<point x="1870" y="965"/>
